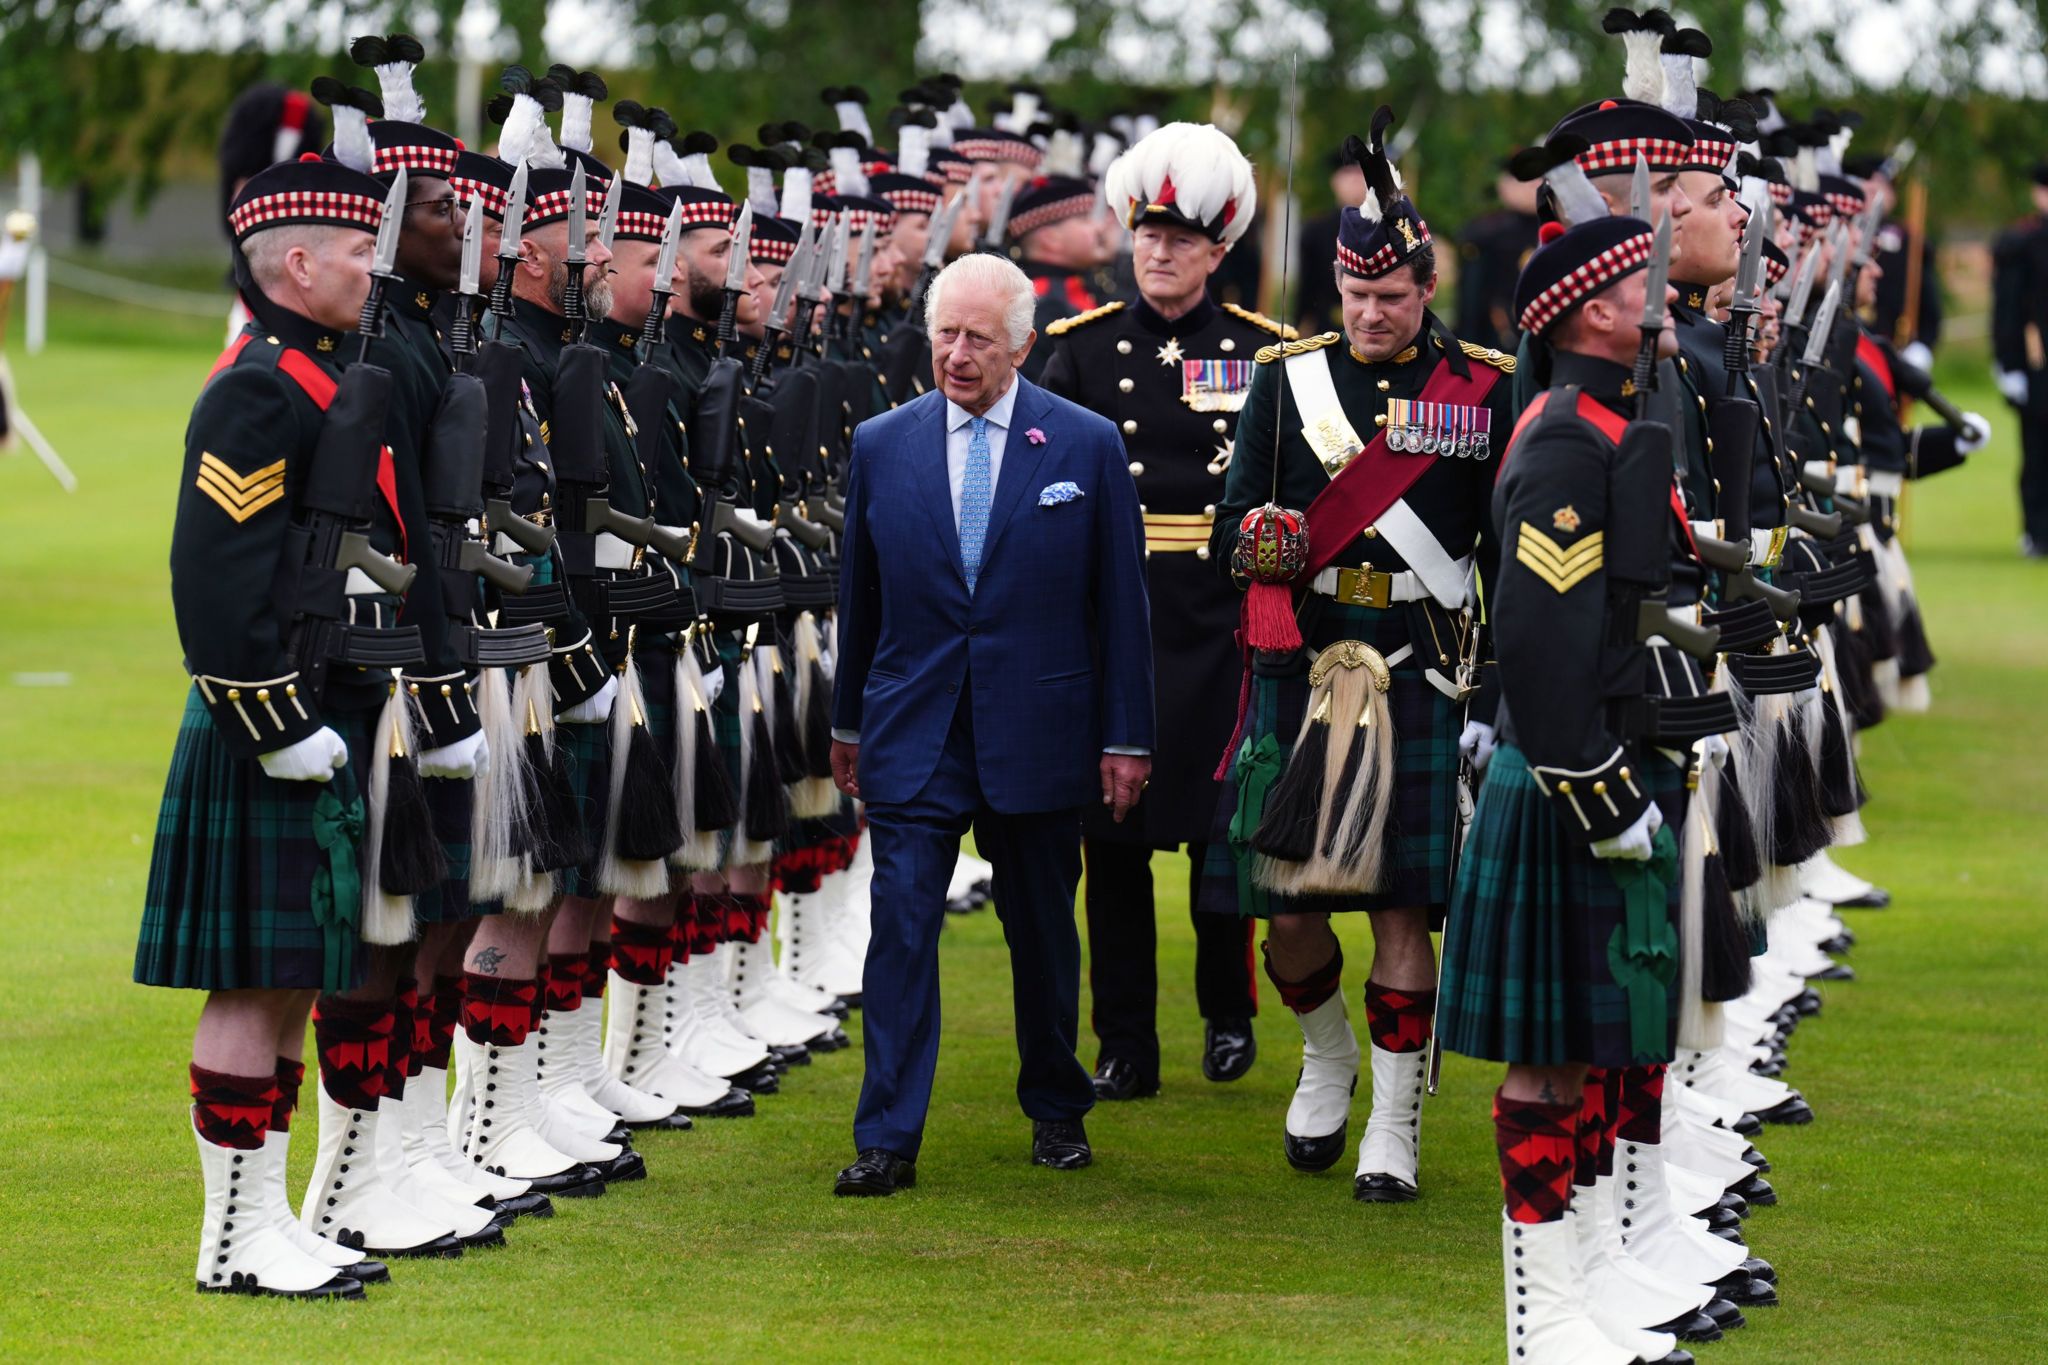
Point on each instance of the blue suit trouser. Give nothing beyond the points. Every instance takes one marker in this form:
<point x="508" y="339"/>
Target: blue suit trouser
<point x="1037" y="859"/>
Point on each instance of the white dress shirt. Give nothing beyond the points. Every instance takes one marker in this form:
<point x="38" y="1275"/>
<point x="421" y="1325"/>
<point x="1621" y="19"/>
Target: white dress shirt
<point x="959" y="435"/>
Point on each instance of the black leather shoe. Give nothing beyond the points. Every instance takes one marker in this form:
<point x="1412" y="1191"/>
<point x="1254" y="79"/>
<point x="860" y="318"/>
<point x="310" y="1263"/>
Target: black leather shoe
<point x="621" y="1135"/>
<point x="1839" y="944"/>
<point x="1676" y="1357"/>
<point x="875" y="1172"/>
<point x="1060" y="1143"/>
<point x="1720" y="1220"/>
<point x="735" y="1103"/>
<point x="1377" y="1187"/>
<point x="340" y="1287"/>
<point x="1117" y="1079"/>
<point x="833" y="1039"/>
<point x="1876" y="898"/>
<point x="797" y="1055"/>
<point x="367" y="1272"/>
<point x="1745" y="1291"/>
<point x="850" y="1001"/>
<point x="1806" y="1002"/>
<point x="578" y="1182"/>
<point x="1731" y="1202"/>
<point x="1316" y="1154"/>
<point x="761" y="1080"/>
<point x="1749" y="1125"/>
<point x="1756" y="1190"/>
<point x="677" y="1122"/>
<point x="1792" y="1109"/>
<point x="532" y="1204"/>
<point x="1726" y="1315"/>
<point x="1694" y="1327"/>
<point x="627" y="1165"/>
<point x="1835" y="971"/>
<point x="1228" y="1049"/>
<point x="491" y="1234"/>
<point x="1757" y="1160"/>
<point x="1758" y="1268"/>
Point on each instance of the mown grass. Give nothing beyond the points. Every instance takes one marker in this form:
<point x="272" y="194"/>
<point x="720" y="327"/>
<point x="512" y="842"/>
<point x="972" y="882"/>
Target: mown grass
<point x="1910" y="1221"/>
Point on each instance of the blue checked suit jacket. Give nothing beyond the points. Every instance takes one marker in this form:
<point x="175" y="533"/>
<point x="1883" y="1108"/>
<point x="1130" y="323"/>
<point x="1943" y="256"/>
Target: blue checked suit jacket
<point x="1055" y="644"/>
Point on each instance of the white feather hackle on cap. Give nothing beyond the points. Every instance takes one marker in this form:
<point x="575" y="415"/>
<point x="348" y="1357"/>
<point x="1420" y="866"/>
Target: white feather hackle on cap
<point x="639" y="156"/>
<point x="668" y="167"/>
<point x="1681" y="90"/>
<point x="576" y="110"/>
<point x="847" y="175"/>
<point x="1828" y="160"/>
<point x="913" y="149"/>
<point x="1209" y="176"/>
<point x="1576" y="199"/>
<point x="761" y="191"/>
<point x="1063" y="155"/>
<point x="1106" y="149"/>
<point x="352" y="145"/>
<point x="853" y="118"/>
<point x="515" y="136"/>
<point x="401" y="101"/>
<point x="1643" y="71"/>
<point x="796" y="195"/>
<point x="1805" y="174"/>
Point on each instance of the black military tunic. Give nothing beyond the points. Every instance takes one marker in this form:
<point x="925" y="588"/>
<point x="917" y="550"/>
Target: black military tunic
<point x="1173" y="388"/>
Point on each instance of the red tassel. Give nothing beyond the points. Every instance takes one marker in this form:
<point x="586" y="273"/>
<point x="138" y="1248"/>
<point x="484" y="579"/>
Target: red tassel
<point x="1269" y="618"/>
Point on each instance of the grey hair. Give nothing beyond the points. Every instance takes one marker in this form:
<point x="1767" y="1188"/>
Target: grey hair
<point x="267" y="249"/>
<point x="995" y="272"/>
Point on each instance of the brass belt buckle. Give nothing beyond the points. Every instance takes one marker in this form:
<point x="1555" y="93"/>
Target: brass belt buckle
<point x="1362" y="587"/>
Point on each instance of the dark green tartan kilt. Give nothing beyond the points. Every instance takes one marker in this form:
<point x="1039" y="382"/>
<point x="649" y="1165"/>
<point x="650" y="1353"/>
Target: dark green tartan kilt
<point x="1425" y="797"/>
<point x="588" y="750"/>
<point x="1526" y="977"/>
<point x="231" y="902"/>
<point x="452" y="801"/>
<point x="725" y="719"/>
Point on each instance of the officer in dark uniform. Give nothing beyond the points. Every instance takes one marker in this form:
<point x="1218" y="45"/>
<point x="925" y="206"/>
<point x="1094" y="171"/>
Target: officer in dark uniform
<point x="1170" y="368"/>
<point x="2019" y="315"/>
<point x="1057" y="242"/>
<point x="1491" y="250"/>
<point x="1411" y="420"/>
<point x="252" y="891"/>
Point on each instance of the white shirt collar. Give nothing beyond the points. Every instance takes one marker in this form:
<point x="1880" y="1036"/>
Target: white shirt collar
<point x="998" y="416"/>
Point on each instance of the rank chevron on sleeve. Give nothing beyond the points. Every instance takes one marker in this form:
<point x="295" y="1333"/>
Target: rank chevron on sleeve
<point x="241" y="496"/>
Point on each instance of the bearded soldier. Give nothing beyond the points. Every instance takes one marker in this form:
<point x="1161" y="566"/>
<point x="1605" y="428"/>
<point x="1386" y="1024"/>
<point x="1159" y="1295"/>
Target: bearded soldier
<point x="1170" y="368"/>
<point x="1386" y="434"/>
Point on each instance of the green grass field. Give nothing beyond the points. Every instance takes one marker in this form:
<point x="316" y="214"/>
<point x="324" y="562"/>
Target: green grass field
<point x="1911" y="1215"/>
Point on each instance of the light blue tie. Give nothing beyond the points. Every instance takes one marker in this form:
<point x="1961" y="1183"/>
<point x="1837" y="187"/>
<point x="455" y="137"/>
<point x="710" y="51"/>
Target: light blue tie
<point x="975" y="491"/>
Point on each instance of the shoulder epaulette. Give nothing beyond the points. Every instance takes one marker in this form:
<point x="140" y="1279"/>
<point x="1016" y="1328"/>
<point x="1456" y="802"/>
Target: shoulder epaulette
<point x="1068" y="324"/>
<point x="1283" y="349"/>
<point x="1487" y="355"/>
<point x="1278" y="329"/>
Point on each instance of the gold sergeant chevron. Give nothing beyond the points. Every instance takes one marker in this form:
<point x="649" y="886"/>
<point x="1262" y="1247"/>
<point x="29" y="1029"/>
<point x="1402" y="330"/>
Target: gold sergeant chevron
<point x="1562" y="569"/>
<point x="241" y="496"/>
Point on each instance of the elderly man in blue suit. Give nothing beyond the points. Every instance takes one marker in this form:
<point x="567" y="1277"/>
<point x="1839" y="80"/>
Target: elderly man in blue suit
<point x="994" y="671"/>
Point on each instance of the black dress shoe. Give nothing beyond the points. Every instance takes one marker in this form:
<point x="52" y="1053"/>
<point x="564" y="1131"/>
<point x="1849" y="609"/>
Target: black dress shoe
<point x="1731" y="1202"/>
<point x="340" y="1287"/>
<point x="1807" y="1002"/>
<point x="796" y="1055"/>
<point x="1377" y="1187"/>
<point x="1117" y="1079"/>
<point x="677" y="1122"/>
<point x="1756" y="1190"/>
<point x="532" y="1204"/>
<point x="1316" y="1154"/>
<point x="491" y="1234"/>
<point x="833" y="1039"/>
<point x="1876" y="898"/>
<point x="760" y="1080"/>
<point x="1726" y="1315"/>
<point x="1676" y="1357"/>
<point x="621" y="1135"/>
<point x="1838" y="945"/>
<point x="448" y="1247"/>
<point x="876" y="1171"/>
<point x="1695" y="1327"/>
<point x="1748" y="1125"/>
<point x="1746" y="1291"/>
<point x="627" y="1165"/>
<point x="367" y="1272"/>
<point x="1228" y="1049"/>
<point x="1060" y="1143"/>
<point x="1757" y="1160"/>
<point x="1719" y="1220"/>
<point x="838" y="1009"/>
<point x="577" y="1182"/>
<point x="851" y="1001"/>
<point x="1759" y="1269"/>
<point x="1792" y="1109"/>
<point x="735" y="1103"/>
<point x="1835" y="971"/>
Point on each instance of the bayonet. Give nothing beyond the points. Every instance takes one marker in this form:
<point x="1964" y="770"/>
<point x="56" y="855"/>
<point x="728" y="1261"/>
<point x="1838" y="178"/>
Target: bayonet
<point x="864" y="264"/>
<point x="1748" y="286"/>
<point x="1655" y="278"/>
<point x="999" y="216"/>
<point x="608" y="217"/>
<point x="1639" y="190"/>
<point x="383" y="266"/>
<point x="508" y="243"/>
<point x="779" y="323"/>
<point x="462" y="337"/>
<point x="1823" y="324"/>
<point x="736" y="276"/>
<point x="572" y="291"/>
<point x="664" y="277"/>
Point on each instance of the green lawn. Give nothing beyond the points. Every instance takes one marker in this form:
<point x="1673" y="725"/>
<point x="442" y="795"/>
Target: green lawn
<point x="1911" y="1214"/>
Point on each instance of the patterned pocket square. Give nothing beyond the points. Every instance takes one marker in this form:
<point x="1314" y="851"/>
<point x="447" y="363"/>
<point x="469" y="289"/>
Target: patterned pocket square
<point x="1057" y="493"/>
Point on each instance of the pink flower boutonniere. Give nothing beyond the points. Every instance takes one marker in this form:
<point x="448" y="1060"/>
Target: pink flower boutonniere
<point x="1035" y="436"/>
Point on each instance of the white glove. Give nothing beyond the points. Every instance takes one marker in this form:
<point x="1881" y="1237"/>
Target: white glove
<point x="1760" y="543"/>
<point x="1916" y="354"/>
<point x="2013" y="384"/>
<point x="1975" y="432"/>
<point x="593" y="709"/>
<point x="1633" y="843"/>
<point x="312" y="759"/>
<point x="1713" y="751"/>
<point x="469" y="757"/>
<point x="1476" y="744"/>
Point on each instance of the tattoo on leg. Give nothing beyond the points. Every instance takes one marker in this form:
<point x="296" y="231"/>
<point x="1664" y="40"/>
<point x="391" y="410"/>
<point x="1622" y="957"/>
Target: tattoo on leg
<point x="1549" y="1095"/>
<point x="486" y="960"/>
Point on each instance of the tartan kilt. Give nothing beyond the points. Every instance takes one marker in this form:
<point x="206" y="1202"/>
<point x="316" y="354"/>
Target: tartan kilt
<point x="588" y="748"/>
<point x="1425" y="796"/>
<point x="725" y="720"/>
<point x="1526" y="978"/>
<point x="230" y="903"/>
<point x="451" y="800"/>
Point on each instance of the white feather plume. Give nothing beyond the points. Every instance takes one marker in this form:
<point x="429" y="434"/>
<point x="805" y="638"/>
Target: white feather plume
<point x="1577" y="201"/>
<point x="1063" y="155"/>
<point x="1107" y="148"/>
<point x="761" y="191"/>
<point x="668" y="167"/>
<point x="796" y="195"/>
<point x="847" y="176"/>
<point x="1208" y="173"/>
<point x="1681" y="90"/>
<point x="853" y="118"/>
<point x="1828" y="160"/>
<point x="1024" y="107"/>
<point x="913" y="148"/>
<point x="1805" y="174"/>
<point x="401" y="101"/>
<point x="639" y="156"/>
<point x="957" y="115"/>
<point x="1643" y="73"/>
<point x="1369" y="208"/>
<point x="697" y="170"/>
<point x="352" y="146"/>
<point x="576" y="121"/>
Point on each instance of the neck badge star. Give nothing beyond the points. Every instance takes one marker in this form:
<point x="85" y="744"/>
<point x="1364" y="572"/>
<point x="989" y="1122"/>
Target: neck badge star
<point x="1225" y="449"/>
<point x="1170" y="353"/>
